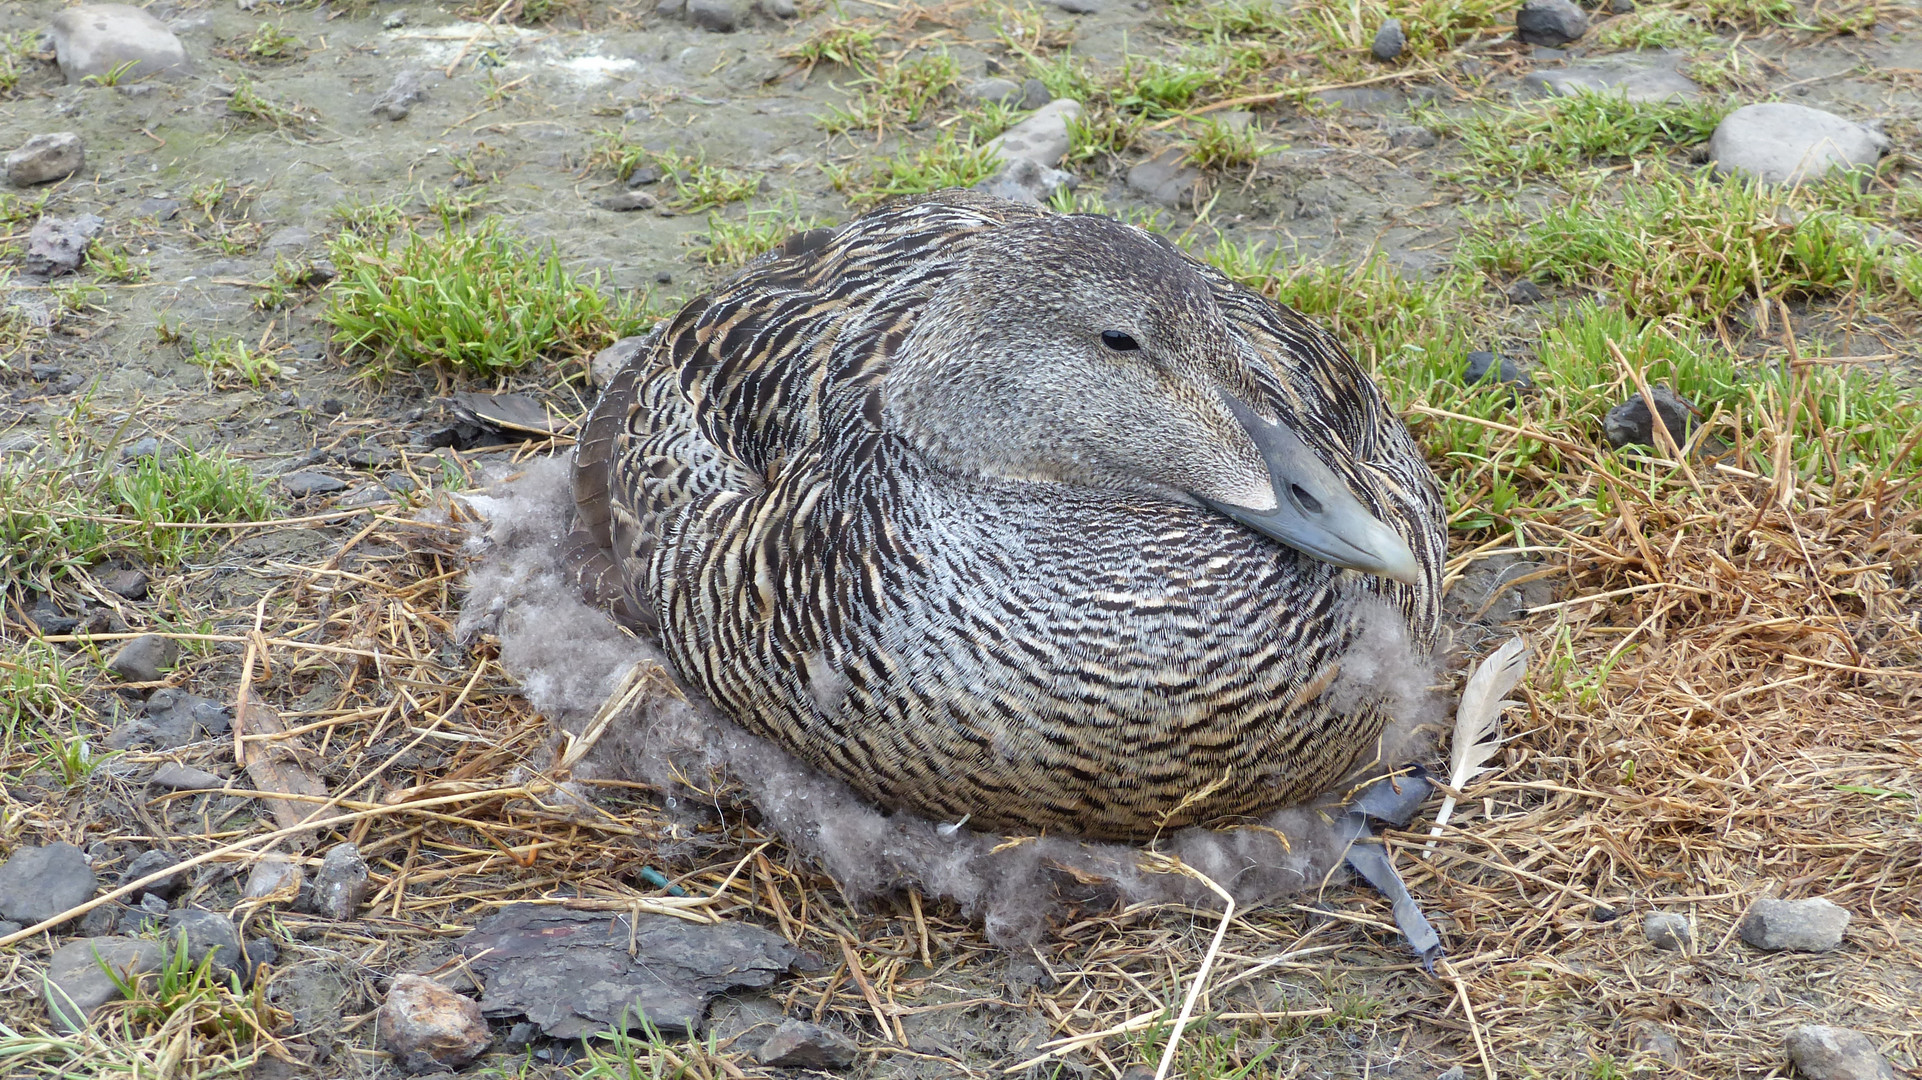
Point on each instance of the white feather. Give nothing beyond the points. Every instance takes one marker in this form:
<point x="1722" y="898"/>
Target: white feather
<point x="1478" y="720"/>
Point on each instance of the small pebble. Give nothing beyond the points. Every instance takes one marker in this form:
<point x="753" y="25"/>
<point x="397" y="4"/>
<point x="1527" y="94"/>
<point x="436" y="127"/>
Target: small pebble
<point x="130" y="584"/>
<point x="1631" y="424"/>
<point x="1834" y="1053"/>
<point x="406" y="91"/>
<point x="1553" y="23"/>
<point x="38" y="883"/>
<point x="1798" y="925"/>
<point x="144" y="659"/>
<point x="58" y="246"/>
<point x="340" y="884"/>
<point x="625" y="201"/>
<point x="1079" y="7"/>
<point x="1526" y="292"/>
<point x="46" y="158"/>
<point x="153" y="861"/>
<point x="177" y="777"/>
<point x="307" y="483"/>
<point x="1419" y="138"/>
<point x="714" y="16"/>
<point x="1646" y="1037"/>
<point x="430" y="1028"/>
<point x="273" y="875"/>
<point x="1389" y="41"/>
<point x="1481" y="363"/>
<point x="797" y="1044"/>
<point x="1666" y="930"/>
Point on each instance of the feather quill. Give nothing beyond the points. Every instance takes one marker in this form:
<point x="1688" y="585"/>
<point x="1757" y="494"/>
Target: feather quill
<point x="1478" y="720"/>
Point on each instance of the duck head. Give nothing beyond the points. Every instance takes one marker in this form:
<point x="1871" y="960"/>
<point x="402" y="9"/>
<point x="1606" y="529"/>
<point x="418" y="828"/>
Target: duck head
<point x="1074" y="349"/>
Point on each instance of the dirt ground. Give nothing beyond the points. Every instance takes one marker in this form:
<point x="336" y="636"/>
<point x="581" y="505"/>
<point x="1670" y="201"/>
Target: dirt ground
<point x="1540" y="899"/>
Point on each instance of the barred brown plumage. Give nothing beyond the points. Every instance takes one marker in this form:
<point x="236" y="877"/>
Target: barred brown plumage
<point x="965" y="503"/>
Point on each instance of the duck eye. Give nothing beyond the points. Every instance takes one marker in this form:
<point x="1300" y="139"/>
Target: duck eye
<point x="1118" y="341"/>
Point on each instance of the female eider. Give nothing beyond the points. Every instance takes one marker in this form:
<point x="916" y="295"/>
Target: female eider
<point x="1023" y="519"/>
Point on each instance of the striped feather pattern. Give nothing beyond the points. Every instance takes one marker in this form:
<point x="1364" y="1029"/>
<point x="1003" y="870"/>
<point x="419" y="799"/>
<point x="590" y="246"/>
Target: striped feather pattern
<point x="1029" y="654"/>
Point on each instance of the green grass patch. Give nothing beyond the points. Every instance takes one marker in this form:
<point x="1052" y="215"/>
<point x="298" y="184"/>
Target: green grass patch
<point x="893" y="94"/>
<point x="229" y="360"/>
<point x="1562" y="135"/>
<point x="949" y="160"/>
<point x="1673" y="244"/>
<point x="61" y="516"/>
<point x="691" y="184"/>
<point x="732" y="243"/>
<point x="473" y="299"/>
<point x="1651" y="28"/>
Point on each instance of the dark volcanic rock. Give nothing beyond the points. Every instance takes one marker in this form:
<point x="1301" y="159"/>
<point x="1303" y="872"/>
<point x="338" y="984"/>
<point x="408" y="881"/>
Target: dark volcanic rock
<point x="1631" y="424"/>
<point x="1550" y="22"/>
<point x="153" y="861"/>
<point x="39" y="883"/>
<point x="144" y="658"/>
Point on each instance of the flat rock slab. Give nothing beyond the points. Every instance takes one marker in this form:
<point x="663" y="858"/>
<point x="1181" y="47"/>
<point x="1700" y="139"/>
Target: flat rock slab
<point x="39" y="883"/>
<point x="75" y="984"/>
<point x="1657" y="81"/>
<point x="571" y="972"/>
<point x="1780" y="143"/>
<point x="94" y="39"/>
<point x="1041" y="138"/>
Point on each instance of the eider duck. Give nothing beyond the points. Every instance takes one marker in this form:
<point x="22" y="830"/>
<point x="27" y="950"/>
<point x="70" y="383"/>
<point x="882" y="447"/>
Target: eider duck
<point x="1014" y="518"/>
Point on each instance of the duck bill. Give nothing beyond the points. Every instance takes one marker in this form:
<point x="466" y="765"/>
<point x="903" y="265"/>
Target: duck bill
<point x="1315" y="512"/>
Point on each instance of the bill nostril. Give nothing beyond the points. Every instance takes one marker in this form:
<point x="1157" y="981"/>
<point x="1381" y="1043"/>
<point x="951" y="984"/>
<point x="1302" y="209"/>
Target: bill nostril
<point x="1304" y="500"/>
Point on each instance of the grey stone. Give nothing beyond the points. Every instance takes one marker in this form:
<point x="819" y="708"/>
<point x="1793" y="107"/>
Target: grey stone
<point x="1798" y="925"/>
<point x="178" y="718"/>
<point x="1035" y="94"/>
<point x="152" y="905"/>
<point x="1003" y="91"/>
<point x="797" y="1044"/>
<point x="144" y="658"/>
<point x="1630" y="424"/>
<point x="101" y="921"/>
<point x="1167" y="178"/>
<point x="59" y="245"/>
<point x="1550" y="22"/>
<point x="340" y="884"/>
<point x="575" y="972"/>
<point x="9" y="927"/>
<point x="1041" y="138"/>
<point x="46" y="158"/>
<point x="160" y="209"/>
<point x="1833" y="1053"/>
<point x="130" y="584"/>
<point x="51" y="620"/>
<point x="291" y="238"/>
<point x="271" y="875"/>
<point x="1525" y="292"/>
<point x="1646" y="1037"/>
<point x="609" y="361"/>
<point x="1780" y="143"/>
<point x="1455" y="1072"/>
<point x="366" y="495"/>
<point x="394" y="21"/>
<point x="430" y="1028"/>
<point x="38" y="883"/>
<point x="209" y="934"/>
<point x="1666" y="930"/>
<point x="1481" y="363"/>
<point x="1620" y="7"/>
<point x="153" y="861"/>
<point x="367" y="456"/>
<point x="400" y="98"/>
<point x="1389" y="41"/>
<point x="1419" y="138"/>
<point x="645" y="175"/>
<point x="75" y="985"/>
<point x="1079" y="7"/>
<point x="177" y="777"/>
<point x="1634" y="80"/>
<point x="779" y="9"/>
<point x="624" y="201"/>
<point x="307" y="483"/>
<point x="715" y="16"/>
<point x="1025" y="181"/>
<point x="94" y="39"/>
